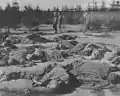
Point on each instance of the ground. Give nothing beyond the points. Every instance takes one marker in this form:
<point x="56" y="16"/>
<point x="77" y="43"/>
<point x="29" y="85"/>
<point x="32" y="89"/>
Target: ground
<point x="111" y="38"/>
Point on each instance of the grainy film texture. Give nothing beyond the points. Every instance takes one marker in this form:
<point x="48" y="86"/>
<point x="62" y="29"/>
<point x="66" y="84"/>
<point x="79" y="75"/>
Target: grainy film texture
<point x="60" y="48"/>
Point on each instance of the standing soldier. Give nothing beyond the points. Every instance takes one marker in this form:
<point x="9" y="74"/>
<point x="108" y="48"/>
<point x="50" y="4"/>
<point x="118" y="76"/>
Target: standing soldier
<point x="7" y="33"/>
<point x="87" y="21"/>
<point x="60" y="19"/>
<point x="57" y="21"/>
<point x="111" y="22"/>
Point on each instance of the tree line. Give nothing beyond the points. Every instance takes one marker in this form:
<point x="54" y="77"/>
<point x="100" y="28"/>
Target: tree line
<point x="12" y="16"/>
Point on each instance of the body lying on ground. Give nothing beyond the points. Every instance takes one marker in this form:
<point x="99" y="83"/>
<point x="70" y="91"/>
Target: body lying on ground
<point x="56" y="76"/>
<point x="111" y="58"/>
<point x="64" y="45"/>
<point x="89" y="74"/>
<point x="57" y="21"/>
<point x="94" y="51"/>
<point x="93" y="75"/>
<point x="39" y="54"/>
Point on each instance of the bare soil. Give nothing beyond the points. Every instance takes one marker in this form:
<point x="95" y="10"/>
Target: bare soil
<point x="21" y="84"/>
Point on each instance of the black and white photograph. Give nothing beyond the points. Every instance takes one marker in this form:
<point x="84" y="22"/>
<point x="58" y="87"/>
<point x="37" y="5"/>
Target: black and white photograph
<point x="59" y="47"/>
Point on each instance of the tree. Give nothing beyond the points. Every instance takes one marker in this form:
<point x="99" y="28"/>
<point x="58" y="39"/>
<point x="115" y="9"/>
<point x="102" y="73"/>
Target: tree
<point x="12" y="15"/>
<point x="112" y="6"/>
<point x="2" y="17"/>
<point x="65" y="8"/>
<point x="72" y="8"/>
<point x="8" y="7"/>
<point x="30" y="18"/>
<point x="95" y="6"/>
<point x="15" y="5"/>
<point x="89" y="8"/>
<point x="78" y="8"/>
<point x="28" y="8"/>
<point x="55" y="9"/>
<point x="103" y="6"/>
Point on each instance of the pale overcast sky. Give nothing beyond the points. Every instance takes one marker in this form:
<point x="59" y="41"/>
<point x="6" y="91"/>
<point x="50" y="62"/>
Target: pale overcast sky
<point x="50" y="3"/>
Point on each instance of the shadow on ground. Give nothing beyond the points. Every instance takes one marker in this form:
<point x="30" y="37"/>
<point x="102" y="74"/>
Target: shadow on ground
<point x="69" y="88"/>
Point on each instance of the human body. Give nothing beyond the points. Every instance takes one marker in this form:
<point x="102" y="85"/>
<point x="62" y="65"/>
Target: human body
<point x="57" y="21"/>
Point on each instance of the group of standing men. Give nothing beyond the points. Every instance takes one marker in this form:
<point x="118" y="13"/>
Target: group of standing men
<point x="57" y="21"/>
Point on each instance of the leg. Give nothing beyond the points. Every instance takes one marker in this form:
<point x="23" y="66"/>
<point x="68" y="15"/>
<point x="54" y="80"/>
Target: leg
<point x="55" y="27"/>
<point x="58" y="28"/>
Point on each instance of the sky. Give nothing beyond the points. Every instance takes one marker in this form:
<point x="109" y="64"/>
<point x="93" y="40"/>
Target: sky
<point x="44" y="4"/>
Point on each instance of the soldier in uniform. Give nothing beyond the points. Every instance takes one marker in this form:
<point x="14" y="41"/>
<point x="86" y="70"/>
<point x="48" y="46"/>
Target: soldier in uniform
<point x="57" y="21"/>
<point x="87" y="18"/>
<point x="55" y="18"/>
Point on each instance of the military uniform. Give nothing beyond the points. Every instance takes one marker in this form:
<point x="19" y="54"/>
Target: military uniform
<point x="87" y="21"/>
<point x="57" y="20"/>
<point x="57" y="75"/>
